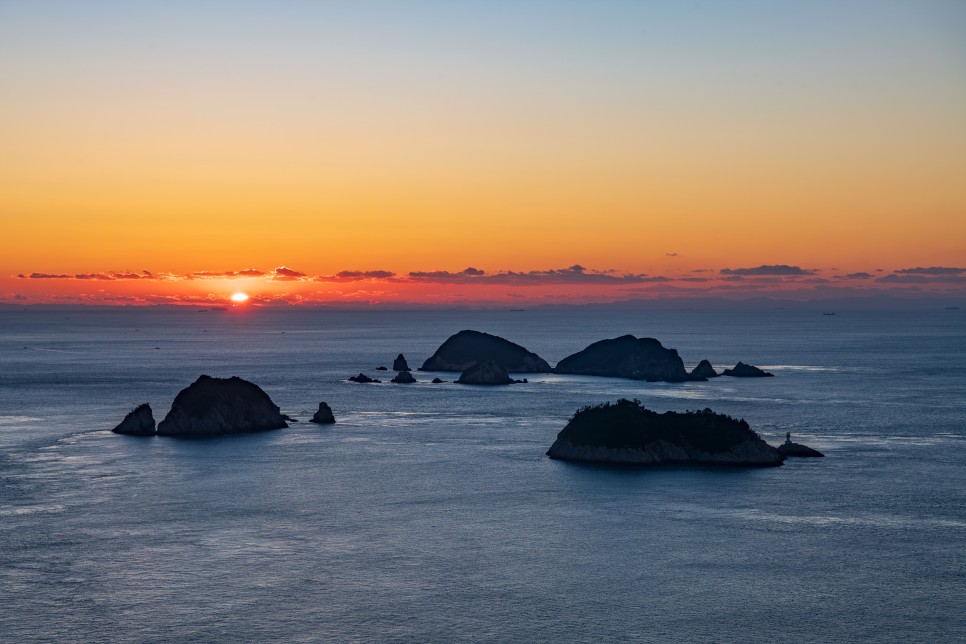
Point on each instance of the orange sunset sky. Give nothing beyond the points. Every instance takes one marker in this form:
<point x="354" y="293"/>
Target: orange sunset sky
<point x="436" y="152"/>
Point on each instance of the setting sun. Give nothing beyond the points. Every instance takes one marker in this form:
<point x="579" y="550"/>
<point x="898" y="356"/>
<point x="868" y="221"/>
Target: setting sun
<point x="239" y="298"/>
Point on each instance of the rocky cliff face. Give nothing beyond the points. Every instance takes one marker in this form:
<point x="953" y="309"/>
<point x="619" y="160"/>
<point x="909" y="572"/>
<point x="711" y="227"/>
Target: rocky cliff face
<point x="626" y="357"/>
<point x="211" y="406"/>
<point x="485" y="372"/>
<point x="462" y="350"/>
<point x="626" y="432"/>
<point x="138" y="422"/>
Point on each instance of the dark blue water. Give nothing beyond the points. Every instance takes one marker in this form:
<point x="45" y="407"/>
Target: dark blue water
<point x="430" y="513"/>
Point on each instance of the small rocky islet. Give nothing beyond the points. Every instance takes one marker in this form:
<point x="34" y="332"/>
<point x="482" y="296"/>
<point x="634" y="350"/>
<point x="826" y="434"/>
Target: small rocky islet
<point x="485" y="372"/>
<point x="138" y="422"/>
<point x="742" y="370"/>
<point x="324" y="415"/>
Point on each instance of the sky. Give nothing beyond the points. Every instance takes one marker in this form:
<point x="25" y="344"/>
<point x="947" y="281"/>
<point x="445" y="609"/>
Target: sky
<point x="490" y="152"/>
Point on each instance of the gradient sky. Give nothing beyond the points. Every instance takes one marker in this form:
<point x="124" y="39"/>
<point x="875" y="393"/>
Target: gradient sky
<point x="663" y="141"/>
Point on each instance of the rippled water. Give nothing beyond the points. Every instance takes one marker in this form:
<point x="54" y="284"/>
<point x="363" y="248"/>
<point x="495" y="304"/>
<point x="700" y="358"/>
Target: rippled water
<point x="430" y="513"/>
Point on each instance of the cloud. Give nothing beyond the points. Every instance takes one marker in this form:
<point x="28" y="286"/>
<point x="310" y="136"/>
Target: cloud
<point x="45" y="276"/>
<point x="768" y="269"/>
<point x="285" y="274"/>
<point x="106" y="276"/>
<point x="354" y="276"/>
<point x="445" y="276"/>
<point x="896" y="278"/>
<point x="932" y="270"/>
<point x="281" y="273"/>
<point x="93" y="276"/>
<point x="575" y="274"/>
<point x="205" y="275"/>
<point x="670" y="254"/>
<point x="131" y="276"/>
<point x="858" y="276"/>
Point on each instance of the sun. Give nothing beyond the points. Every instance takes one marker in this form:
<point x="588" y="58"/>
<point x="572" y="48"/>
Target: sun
<point x="239" y="298"/>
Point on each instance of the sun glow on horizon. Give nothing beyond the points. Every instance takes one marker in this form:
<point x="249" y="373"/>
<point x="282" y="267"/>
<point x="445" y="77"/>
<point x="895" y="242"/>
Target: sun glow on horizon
<point x="239" y="298"/>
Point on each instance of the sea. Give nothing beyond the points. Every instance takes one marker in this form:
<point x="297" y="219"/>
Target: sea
<point x="431" y="513"/>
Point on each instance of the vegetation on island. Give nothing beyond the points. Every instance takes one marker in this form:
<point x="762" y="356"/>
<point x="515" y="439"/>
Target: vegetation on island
<point x="628" y="424"/>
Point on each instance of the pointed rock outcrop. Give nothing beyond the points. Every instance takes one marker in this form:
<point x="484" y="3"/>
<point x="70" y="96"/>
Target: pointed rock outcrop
<point x="138" y="422"/>
<point x="324" y="415"/>
<point x="400" y="364"/>
<point x="404" y="378"/>
<point x="703" y="371"/>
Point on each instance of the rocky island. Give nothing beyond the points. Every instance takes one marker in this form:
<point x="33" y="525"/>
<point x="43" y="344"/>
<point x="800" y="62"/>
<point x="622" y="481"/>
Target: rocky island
<point x="742" y="370"/>
<point x="400" y="364"/>
<point x="626" y="432"/>
<point x="138" y="422"/>
<point x="403" y="378"/>
<point x="213" y="406"/>
<point x="363" y="379"/>
<point x="464" y="349"/>
<point x="324" y="415"/>
<point x="703" y="371"/>
<point x="485" y="372"/>
<point x="626" y="357"/>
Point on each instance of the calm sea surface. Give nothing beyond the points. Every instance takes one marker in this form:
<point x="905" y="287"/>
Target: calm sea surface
<point x="430" y="512"/>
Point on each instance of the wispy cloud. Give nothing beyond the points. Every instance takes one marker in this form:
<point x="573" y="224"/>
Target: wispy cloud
<point x="932" y="270"/>
<point x="907" y="278"/>
<point x="355" y="276"/>
<point x="93" y="276"/>
<point x="202" y="275"/>
<point x="46" y="276"/>
<point x="768" y="269"/>
<point x="575" y="274"/>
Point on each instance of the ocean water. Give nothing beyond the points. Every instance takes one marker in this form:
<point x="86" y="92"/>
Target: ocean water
<point x="430" y="512"/>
